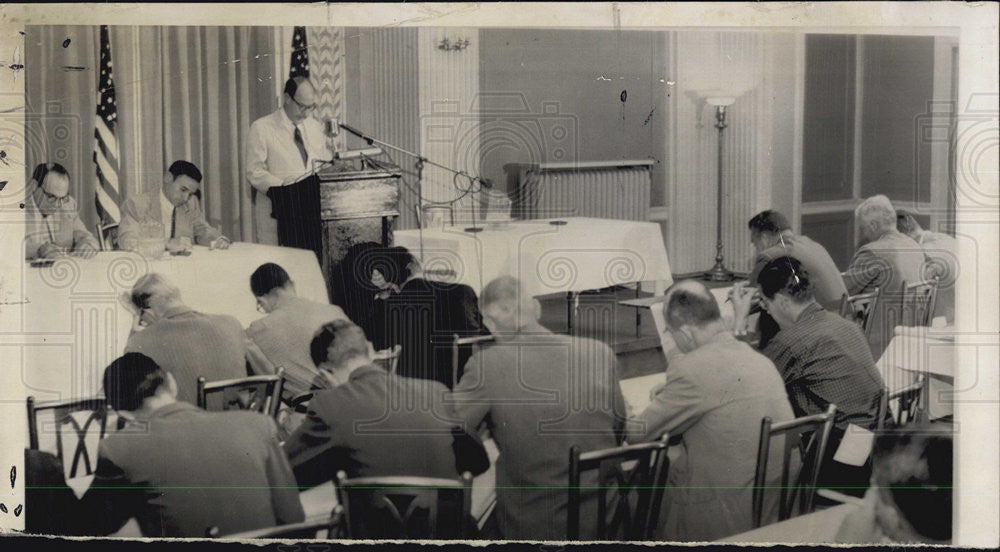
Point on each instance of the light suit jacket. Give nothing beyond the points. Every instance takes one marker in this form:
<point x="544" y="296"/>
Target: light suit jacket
<point x="189" y="222"/>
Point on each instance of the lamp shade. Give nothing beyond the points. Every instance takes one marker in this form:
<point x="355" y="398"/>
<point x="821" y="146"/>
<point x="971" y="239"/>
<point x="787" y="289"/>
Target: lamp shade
<point x="720" y="100"/>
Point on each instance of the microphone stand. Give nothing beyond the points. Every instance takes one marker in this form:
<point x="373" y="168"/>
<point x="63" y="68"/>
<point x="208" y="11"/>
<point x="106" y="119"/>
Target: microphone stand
<point x="419" y="165"/>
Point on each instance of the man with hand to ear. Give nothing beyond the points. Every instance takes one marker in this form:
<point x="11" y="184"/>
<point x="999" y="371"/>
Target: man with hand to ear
<point x="54" y="226"/>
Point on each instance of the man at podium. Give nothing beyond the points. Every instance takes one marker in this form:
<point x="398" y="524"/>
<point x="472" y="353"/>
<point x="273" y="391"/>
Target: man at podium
<point x="280" y="151"/>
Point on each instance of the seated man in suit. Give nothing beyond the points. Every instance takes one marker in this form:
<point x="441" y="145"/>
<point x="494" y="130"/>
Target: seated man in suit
<point x="54" y="227"/>
<point x="186" y="343"/>
<point x="772" y="237"/>
<point x="284" y="335"/>
<point x="822" y="358"/>
<point x="423" y="318"/>
<point x="714" y="399"/>
<point x="370" y="422"/>
<point x="889" y="259"/>
<point x="942" y="261"/>
<point x="175" y="209"/>
<point x="178" y="469"/>
<point x="539" y="394"/>
<point x="910" y="500"/>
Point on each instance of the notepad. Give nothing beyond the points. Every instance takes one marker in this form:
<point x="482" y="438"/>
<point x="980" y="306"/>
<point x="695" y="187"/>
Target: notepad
<point x="855" y="446"/>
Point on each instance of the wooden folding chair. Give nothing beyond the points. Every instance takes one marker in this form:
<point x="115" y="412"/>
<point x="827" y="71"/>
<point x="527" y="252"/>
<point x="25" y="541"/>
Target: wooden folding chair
<point x="860" y="308"/>
<point x="260" y="393"/>
<point x="406" y="507"/>
<point x="63" y="416"/>
<point x="808" y="437"/>
<point x="640" y="478"/>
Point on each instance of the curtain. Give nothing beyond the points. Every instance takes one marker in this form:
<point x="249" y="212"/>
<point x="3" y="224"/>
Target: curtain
<point x="183" y="93"/>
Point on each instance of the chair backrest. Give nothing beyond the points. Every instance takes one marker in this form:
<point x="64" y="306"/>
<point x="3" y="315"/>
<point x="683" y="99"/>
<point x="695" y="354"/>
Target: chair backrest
<point x="808" y="437"/>
<point x="63" y="415"/>
<point x="631" y="481"/>
<point x="456" y="344"/>
<point x="105" y="237"/>
<point x="909" y="399"/>
<point x="260" y="393"/>
<point x="326" y="528"/>
<point x="389" y="358"/>
<point x="919" y="299"/>
<point x="860" y="308"/>
<point x="405" y="507"/>
<point x="434" y="216"/>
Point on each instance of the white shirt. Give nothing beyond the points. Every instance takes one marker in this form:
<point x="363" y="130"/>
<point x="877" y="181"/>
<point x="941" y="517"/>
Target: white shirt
<point x="166" y="214"/>
<point x="272" y="157"/>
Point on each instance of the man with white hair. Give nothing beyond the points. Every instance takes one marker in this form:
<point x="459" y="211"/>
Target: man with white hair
<point x="540" y="394"/>
<point x="942" y="260"/>
<point x="186" y="343"/>
<point x="886" y="261"/>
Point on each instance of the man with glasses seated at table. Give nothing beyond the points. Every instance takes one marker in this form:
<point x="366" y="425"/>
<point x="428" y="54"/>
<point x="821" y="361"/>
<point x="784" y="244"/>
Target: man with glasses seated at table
<point x="178" y="469"/>
<point x="54" y="227"/>
<point x="285" y="334"/>
<point x="772" y="237"/>
<point x="714" y="398"/>
<point x="823" y="359"/>
<point x="280" y="150"/>
<point x="174" y="209"/>
<point x="186" y="343"/>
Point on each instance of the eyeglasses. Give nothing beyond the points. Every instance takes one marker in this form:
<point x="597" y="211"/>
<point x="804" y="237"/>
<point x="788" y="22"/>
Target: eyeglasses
<point x="303" y="107"/>
<point x="58" y="200"/>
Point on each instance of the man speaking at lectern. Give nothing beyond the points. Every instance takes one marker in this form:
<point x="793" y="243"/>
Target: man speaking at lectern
<point x="281" y="149"/>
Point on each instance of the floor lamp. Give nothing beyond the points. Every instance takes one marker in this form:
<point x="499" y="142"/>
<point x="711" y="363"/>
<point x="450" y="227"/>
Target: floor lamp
<point x="719" y="272"/>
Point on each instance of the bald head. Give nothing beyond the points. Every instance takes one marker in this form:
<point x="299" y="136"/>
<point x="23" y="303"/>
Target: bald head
<point x="689" y="303"/>
<point x="506" y="307"/>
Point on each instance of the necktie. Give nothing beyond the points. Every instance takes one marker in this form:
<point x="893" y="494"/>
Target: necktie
<point x="302" y="147"/>
<point x="173" y="222"/>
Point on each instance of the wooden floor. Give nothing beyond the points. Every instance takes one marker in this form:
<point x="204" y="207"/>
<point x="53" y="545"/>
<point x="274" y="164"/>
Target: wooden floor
<point x="600" y="317"/>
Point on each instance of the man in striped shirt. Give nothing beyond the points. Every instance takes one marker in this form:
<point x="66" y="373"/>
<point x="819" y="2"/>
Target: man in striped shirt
<point x="823" y="358"/>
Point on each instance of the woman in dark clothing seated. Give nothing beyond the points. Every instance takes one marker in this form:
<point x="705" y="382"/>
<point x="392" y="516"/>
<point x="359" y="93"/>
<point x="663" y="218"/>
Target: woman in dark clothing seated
<point x="423" y="317"/>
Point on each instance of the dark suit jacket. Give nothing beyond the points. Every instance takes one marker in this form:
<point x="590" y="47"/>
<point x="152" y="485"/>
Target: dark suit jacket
<point x="423" y="317"/>
<point x="183" y="470"/>
<point x="50" y="507"/>
<point x="189" y="223"/>
<point x="376" y="424"/>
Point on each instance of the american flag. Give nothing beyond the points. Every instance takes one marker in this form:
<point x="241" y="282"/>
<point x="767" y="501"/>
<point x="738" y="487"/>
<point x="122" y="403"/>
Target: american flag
<point x="300" y="54"/>
<point x="105" y="141"/>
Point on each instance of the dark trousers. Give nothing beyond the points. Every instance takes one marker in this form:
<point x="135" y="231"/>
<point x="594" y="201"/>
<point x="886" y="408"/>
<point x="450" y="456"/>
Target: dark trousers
<point x="843" y="478"/>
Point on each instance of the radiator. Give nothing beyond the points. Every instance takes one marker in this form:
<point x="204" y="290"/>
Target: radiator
<point x="603" y="189"/>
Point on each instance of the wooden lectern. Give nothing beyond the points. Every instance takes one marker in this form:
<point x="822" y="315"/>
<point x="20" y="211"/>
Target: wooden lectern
<point x="355" y="207"/>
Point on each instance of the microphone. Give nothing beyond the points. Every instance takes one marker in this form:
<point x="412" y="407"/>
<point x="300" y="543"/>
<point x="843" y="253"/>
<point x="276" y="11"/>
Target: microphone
<point x="353" y="130"/>
<point x="331" y="127"/>
<point x="357" y="154"/>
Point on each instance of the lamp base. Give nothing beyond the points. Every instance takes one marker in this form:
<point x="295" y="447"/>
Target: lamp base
<point x="719" y="273"/>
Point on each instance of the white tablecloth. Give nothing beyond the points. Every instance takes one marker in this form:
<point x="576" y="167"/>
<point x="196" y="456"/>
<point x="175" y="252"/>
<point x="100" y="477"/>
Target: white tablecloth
<point x="818" y="527"/>
<point x="929" y="351"/>
<point x="74" y="326"/>
<point x="584" y="254"/>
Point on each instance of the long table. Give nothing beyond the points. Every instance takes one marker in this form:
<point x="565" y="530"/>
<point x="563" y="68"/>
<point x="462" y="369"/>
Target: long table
<point x="819" y="527"/>
<point x="927" y="352"/>
<point x="73" y="325"/>
<point x="548" y="255"/>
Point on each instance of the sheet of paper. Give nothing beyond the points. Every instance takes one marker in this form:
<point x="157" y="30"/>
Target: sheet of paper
<point x="855" y="446"/>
